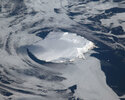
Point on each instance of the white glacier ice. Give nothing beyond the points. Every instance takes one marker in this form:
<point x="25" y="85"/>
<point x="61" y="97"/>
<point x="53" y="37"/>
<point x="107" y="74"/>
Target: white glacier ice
<point x="61" y="47"/>
<point x="86" y="74"/>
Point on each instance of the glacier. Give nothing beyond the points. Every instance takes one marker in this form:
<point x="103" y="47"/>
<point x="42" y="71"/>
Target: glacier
<point x="69" y="51"/>
<point x="61" y="47"/>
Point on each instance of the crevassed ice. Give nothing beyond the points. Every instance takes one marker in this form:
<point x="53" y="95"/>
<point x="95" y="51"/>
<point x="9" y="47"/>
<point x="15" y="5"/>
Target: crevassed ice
<point x="61" y="47"/>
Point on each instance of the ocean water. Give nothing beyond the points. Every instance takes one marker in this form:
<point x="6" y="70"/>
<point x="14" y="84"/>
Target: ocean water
<point x="62" y="49"/>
